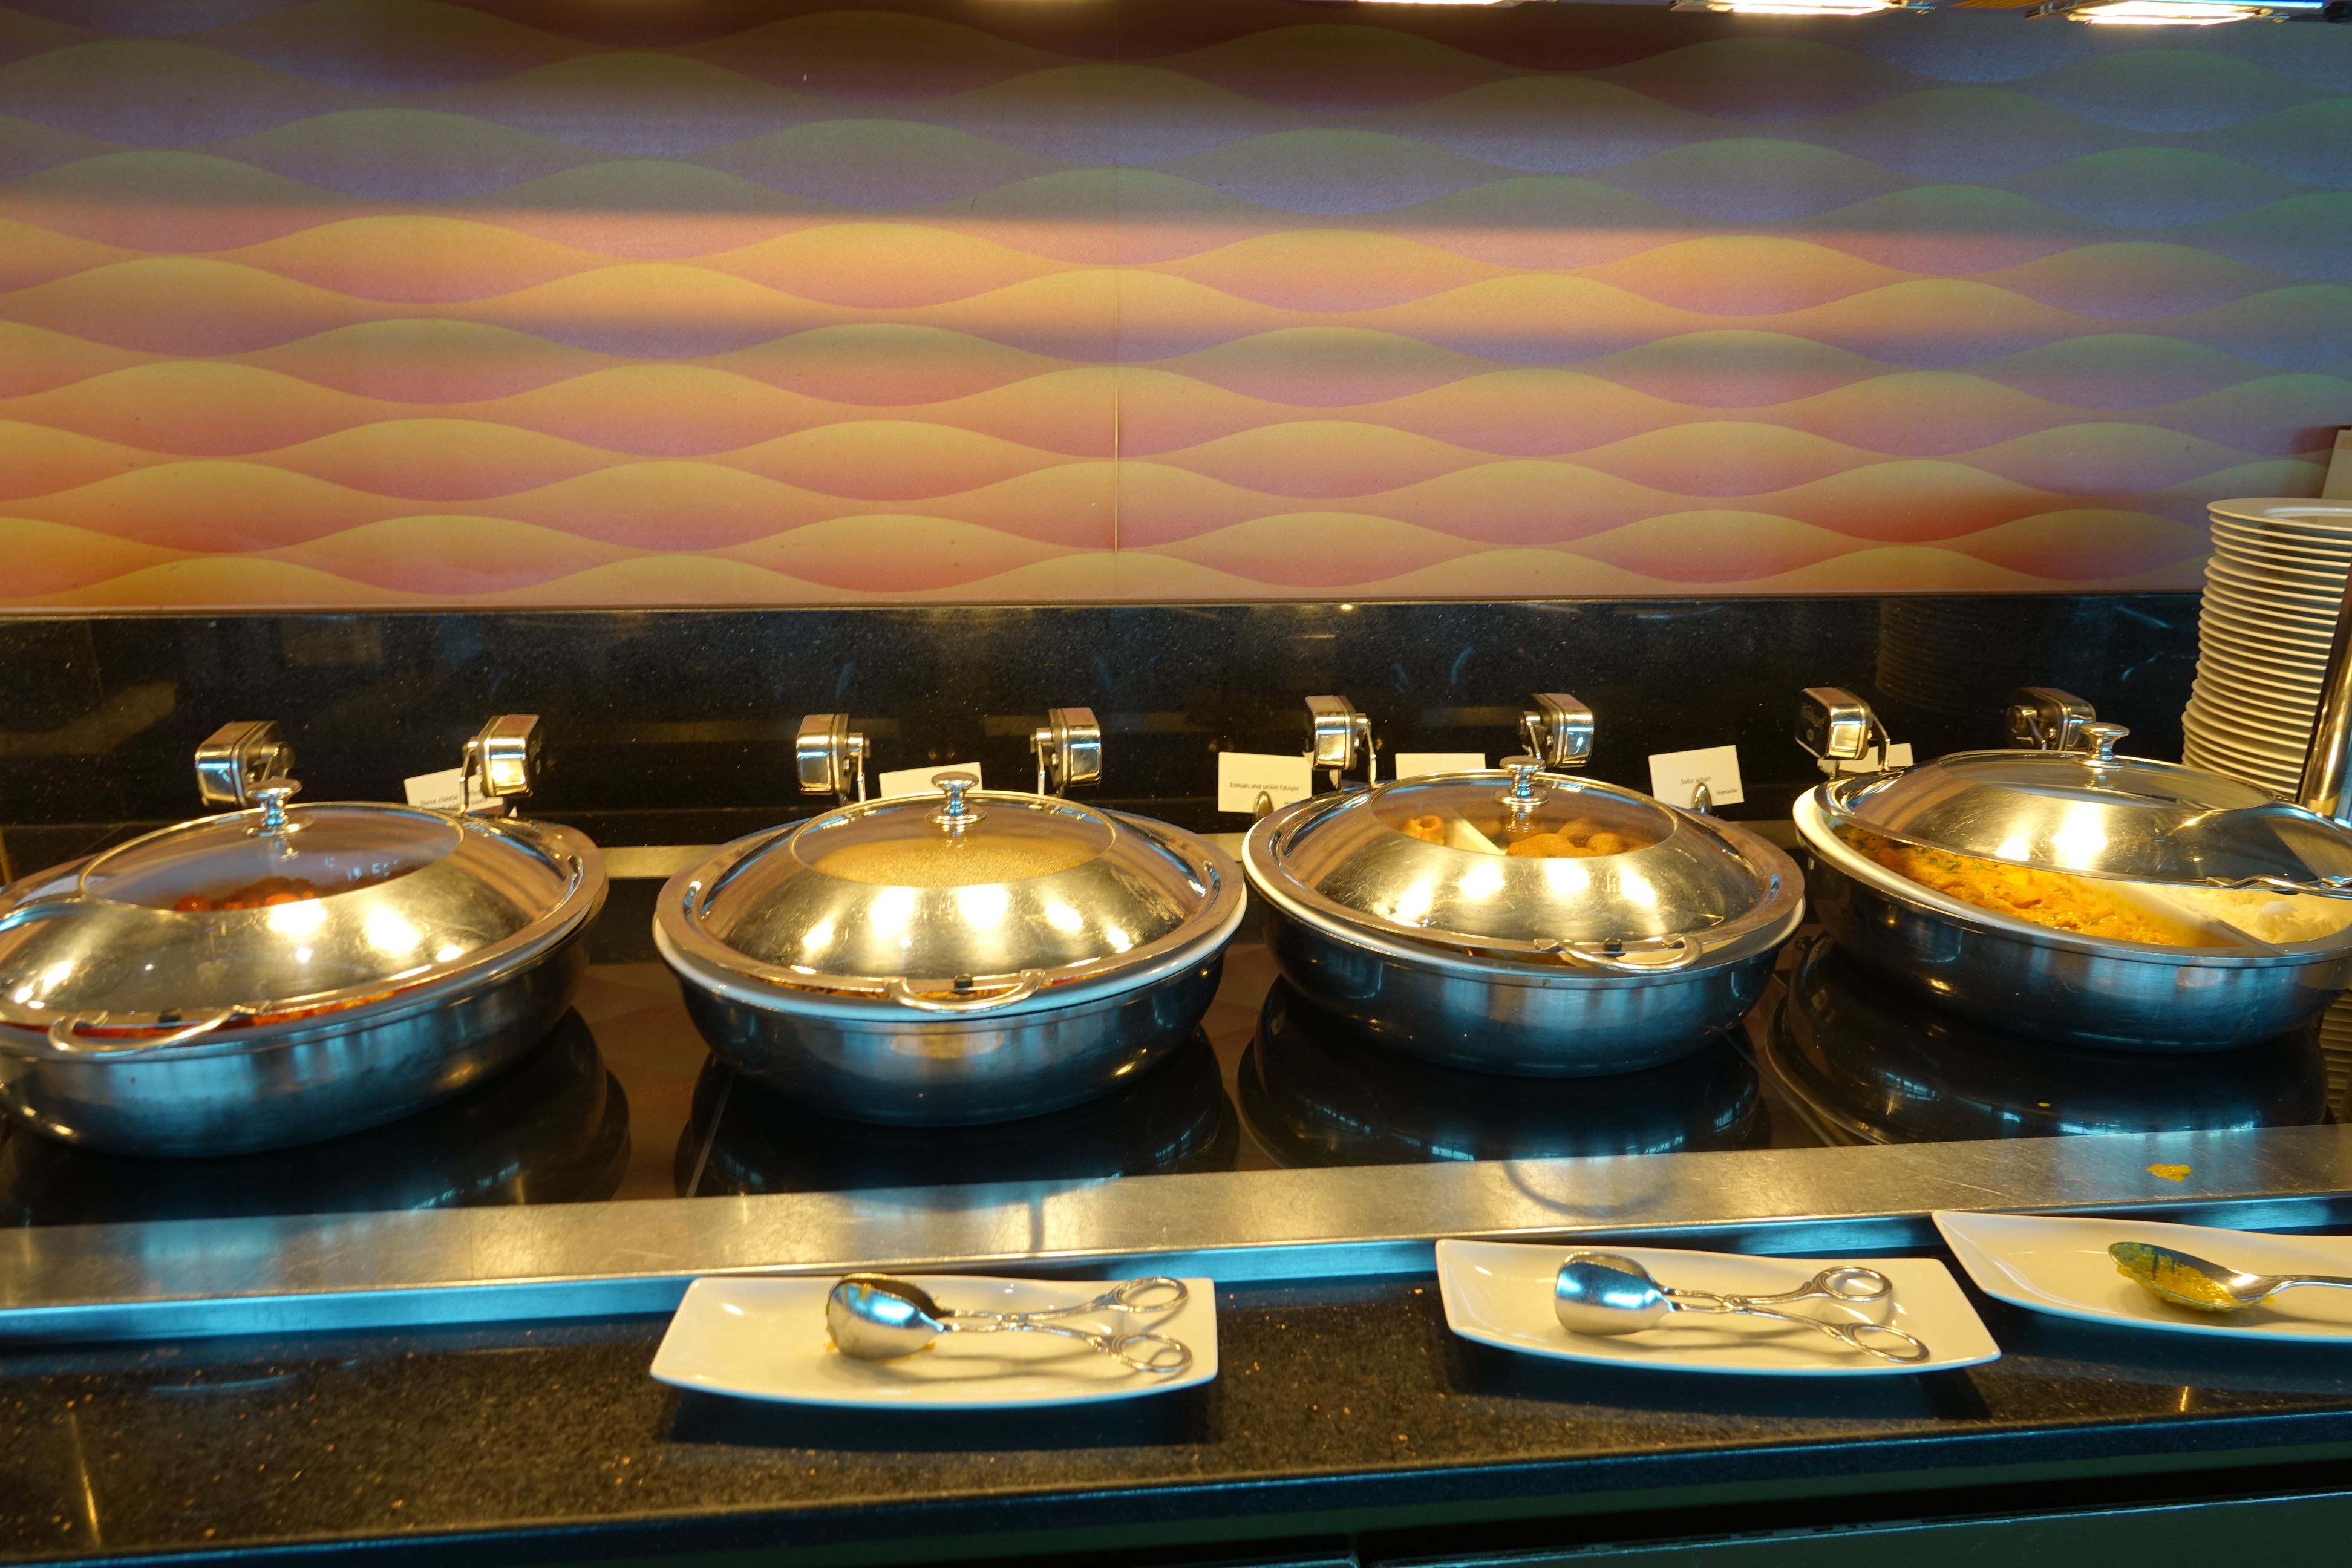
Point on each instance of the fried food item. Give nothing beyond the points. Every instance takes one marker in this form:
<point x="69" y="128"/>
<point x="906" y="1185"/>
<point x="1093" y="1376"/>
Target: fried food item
<point x="2046" y="898"/>
<point x="1429" y="829"/>
<point x="1566" y="845"/>
<point x="946" y="863"/>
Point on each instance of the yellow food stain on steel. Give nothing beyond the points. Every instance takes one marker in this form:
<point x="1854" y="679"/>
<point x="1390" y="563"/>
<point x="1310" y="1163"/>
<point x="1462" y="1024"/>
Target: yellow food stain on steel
<point x="2170" y="1172"/>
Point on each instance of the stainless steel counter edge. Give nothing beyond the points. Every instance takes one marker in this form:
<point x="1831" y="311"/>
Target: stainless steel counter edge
<point x="169" y="1279"/>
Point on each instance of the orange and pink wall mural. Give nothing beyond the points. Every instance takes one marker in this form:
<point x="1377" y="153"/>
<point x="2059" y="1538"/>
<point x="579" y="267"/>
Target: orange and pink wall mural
<point x="386" y="302"/>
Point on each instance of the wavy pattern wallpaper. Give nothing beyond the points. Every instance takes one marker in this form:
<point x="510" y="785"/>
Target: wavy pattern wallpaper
<point x="386" y="302"/>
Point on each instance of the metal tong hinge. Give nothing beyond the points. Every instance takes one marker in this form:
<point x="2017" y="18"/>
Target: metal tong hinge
<point x="2044" y="719"/>
<point x="504" y="760"/>
<point x="237" y="759"/>
<point x="828" y="759"/>
<point x="1559" y="730"/>
<point x="1068" y="749"/>
<point x="1342" y="737"/>
<point x="1838" y="727"/>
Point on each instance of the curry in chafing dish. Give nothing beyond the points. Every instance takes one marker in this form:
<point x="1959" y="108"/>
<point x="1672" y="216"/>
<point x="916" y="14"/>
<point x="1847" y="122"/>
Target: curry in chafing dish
<point x="2046" y="898"/>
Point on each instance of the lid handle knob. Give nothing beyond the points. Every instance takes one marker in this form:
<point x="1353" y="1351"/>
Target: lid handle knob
<point x="828" y="759"/>
<point x="273" y="796"/>
<point x="2044" y="719"/>
<point x="1342" y="736"/>
<point x="958" y="814"/>
<point x="2100" y="738"/>
<point x="1069" y="749"/>
<point x="1559" y="729"/>
<point x="236" y="757"/>
<point x="1527" y="791"/>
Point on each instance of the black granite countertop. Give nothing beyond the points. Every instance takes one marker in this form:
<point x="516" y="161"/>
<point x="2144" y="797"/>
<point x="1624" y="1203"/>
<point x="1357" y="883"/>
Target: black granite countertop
<point x="1346" y="1411"/>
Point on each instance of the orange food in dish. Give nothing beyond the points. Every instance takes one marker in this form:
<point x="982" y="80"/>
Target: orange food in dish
<point x="267" y="892"/>
<point x="1428" y="829"/>
<point x="2044" y="898"/>
<point x="1580" y="839"/>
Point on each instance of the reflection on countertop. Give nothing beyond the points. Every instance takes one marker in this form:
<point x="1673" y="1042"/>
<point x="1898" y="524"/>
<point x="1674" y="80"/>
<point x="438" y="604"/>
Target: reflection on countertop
<point x="1862" y="1063"/>
<point x="553" y="1128"/>
<point x="624" y="1101"/>
<point x="1312" y="1093"/>
<point x="742" y="1138"/>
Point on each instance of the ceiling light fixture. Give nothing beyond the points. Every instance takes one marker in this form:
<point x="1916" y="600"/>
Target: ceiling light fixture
<point x="1801" y="7"/>
<point x="2181" y="13"/>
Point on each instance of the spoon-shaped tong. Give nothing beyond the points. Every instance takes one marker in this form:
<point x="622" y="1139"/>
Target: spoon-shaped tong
<point x="874" y="1317"/>
<point x="2188" y="1280"/>
<point x="1602" y="1293"/>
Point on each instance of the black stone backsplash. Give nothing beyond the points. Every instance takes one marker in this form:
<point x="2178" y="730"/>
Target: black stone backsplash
<point x="669" y="726"/>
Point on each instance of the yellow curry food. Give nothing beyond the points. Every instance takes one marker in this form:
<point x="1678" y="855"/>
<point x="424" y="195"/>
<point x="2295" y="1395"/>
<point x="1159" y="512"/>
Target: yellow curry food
<point x="2046" y="898"/>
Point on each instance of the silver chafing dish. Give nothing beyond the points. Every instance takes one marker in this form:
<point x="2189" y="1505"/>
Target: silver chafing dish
<point x="977" y="957"/>
<point x="1400" y="908"/>
<point x="2247" y="882"/>
<point x="286" y="973"/>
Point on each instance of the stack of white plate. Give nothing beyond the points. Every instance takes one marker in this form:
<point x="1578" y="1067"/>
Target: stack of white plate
<point x="2271" y="589"/>
<point x="2336" y="1047"/>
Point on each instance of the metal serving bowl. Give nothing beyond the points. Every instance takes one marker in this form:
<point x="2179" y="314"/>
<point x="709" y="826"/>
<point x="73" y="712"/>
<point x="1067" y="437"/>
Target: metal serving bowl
<point x="1540" y="968"/>
<point x="2060" y="984"/>
<point x="439" y="950"/>
<point x="884" y="986"/>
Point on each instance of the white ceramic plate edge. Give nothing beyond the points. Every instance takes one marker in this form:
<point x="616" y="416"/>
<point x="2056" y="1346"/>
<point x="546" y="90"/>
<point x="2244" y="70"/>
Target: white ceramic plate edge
<point x="1996" y="1278"/>
<point x="1454" y="1254"/>
<point x="1202" y="1338"/>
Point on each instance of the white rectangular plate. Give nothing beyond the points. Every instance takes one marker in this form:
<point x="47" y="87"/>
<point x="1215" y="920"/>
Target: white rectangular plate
<point x="2058" y="1264"/>
<point x="764" y="1339"/>
<point x="1501" y="1293"/>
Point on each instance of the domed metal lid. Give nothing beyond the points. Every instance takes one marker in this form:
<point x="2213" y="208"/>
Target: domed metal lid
<point x="1518" y="861"/>
<point x="259" y="916"/>
<point x="977" y="902"/>
<point x="2094" y="813"/>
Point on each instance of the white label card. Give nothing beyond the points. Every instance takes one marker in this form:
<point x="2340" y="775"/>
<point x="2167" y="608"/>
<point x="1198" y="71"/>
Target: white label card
<point x="917" y="781"/>
<point x="1242" y="777"/>
<point x="1675" y="775"/>
<point x="1413" y="765"/>
<point x="444" y="791"/>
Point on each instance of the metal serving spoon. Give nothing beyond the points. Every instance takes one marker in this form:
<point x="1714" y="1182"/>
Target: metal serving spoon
<point x="2190" y="1281"/>
<point x="872" y="1316"/>
<point x="1602" y="1293"/>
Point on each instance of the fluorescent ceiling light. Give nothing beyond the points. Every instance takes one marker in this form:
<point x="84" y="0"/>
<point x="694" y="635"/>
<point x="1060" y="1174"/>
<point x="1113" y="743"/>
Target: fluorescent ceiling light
<point x="2164" y="14"/>
<point x="1799" y="7"/>
<point x="2173" y="12"/>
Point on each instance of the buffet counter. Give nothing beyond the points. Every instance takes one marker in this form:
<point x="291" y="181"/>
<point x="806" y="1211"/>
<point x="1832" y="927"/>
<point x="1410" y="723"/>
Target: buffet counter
<point x="436" y="1342"/>
<point x="479" y="1119"/>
